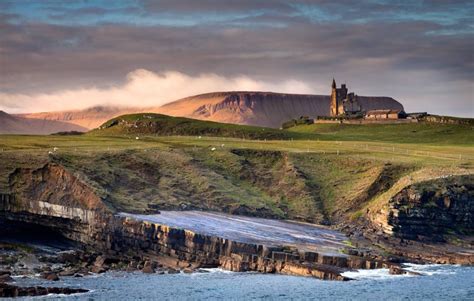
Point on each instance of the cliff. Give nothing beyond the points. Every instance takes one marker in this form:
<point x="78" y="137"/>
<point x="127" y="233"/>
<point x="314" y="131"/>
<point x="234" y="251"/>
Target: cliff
<point x="430" y="220"/>
<point x="74" y="211"/>
<point x="75" y="185"/>
<point x="434" y="210"/>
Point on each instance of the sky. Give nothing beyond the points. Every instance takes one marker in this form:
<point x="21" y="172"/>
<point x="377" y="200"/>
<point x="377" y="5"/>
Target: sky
<point x="58" y="55"/>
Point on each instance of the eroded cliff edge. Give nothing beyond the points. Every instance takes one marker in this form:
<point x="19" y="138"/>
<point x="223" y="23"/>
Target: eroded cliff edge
<point x="431" y="221"/>
<point x="52" y="196"/>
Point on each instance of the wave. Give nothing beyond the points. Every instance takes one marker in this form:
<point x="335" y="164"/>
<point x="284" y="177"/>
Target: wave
<point x="422" y="269"/>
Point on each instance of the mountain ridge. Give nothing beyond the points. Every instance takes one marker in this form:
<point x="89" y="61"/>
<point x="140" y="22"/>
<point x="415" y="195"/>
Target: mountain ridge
<point x="13" y="124"/>
<point x="268" y="109"/>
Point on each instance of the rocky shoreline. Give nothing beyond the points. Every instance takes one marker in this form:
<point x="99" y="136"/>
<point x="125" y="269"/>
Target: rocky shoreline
<point x="106" y="241"/>
<point x="12" y="291"/>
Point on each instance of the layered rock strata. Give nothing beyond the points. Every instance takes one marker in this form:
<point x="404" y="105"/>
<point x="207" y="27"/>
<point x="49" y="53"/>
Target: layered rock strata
<point x="431" y="221"/>
<point x="54" y="198"/>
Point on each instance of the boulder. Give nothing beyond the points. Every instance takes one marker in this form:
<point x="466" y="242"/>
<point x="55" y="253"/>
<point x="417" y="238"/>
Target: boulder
<point x="6" y="278"/>
<point x="396" y="270"/>
<point x="68" y="272"/>
<point x="50" y="276"/>
<point x="98" y="270"/>
<point x="148" y="269"/>
<point x="99" y="261"/>
<point x="173" y="271"/>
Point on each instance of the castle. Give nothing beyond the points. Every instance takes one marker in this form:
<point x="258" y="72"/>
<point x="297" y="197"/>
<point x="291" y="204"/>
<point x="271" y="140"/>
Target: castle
<point x="343" y="103"/>
<point x="347" y="105"/>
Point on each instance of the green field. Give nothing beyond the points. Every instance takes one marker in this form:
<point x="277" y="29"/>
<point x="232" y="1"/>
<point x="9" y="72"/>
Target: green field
<point x="317" y="173"/>
<point x="425" y="133"/>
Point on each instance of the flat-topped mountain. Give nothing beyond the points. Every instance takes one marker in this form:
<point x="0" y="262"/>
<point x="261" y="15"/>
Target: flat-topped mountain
<point x="239" y="107"/>
<point x="262" y="108"/>
<point x="10" y="124"/>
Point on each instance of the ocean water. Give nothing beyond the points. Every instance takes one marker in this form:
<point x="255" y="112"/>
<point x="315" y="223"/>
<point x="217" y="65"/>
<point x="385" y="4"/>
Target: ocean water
<point x="439" y="282"/>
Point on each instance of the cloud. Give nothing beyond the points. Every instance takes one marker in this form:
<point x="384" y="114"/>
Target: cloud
<point x="142" y="88"/>
<point x="407" y="50"/>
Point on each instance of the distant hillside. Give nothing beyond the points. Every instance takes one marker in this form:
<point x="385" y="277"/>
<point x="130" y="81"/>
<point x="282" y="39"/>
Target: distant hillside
<point x="250" y="108"/>
<point x="162" y="125"/>
<point x="10" y="124"/>
<point x="89" y="118"/>
<point x="262" y="108"/>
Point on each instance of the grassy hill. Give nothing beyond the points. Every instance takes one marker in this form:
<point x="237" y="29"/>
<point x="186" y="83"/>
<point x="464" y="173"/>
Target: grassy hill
<point x="163" y="125"/>
<point x="149" y="124"/>
<point x="317" y="173"/>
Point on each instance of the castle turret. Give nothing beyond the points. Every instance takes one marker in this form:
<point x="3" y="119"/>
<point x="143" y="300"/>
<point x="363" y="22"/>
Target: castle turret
<point x="334" y="105"/>
<point x="337" y="98"/>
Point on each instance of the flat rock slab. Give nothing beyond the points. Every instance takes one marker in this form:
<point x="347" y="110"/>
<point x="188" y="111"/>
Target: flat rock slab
<point x="269" y="232"/>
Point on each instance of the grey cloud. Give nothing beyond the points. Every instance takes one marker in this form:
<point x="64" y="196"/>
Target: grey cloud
<point x="399" y="59"/>
<point x="39" y="49"/>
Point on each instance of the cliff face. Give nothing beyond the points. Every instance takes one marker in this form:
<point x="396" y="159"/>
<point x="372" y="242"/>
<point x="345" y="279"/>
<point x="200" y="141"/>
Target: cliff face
<point x="434" y="209"/>
<point x="53" y="198"/>
<point x="429" y="221"/>
<point x="55" y="186"/>
<point x="262" y="108"/>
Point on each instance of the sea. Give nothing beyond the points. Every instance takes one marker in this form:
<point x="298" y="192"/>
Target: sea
<point x="437" y="282"/>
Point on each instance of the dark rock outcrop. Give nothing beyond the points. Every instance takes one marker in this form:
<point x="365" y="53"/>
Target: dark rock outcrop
<point x="433" y="209"/>
<point x="50" y="276"/>
<point x="12" y="291"/>
<point x="430" y="221"/>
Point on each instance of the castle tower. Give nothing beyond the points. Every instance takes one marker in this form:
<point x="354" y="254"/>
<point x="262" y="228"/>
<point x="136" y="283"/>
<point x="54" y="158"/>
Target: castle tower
<point x="337" y="98"/>
<point x="334" y="104"/>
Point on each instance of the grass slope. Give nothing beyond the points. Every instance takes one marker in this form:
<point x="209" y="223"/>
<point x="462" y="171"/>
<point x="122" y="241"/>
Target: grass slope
<point x="163" y="125"/>
<point x="149" y="124"/>
<point x="425" y="133"/>
<point x="318" y="173"/>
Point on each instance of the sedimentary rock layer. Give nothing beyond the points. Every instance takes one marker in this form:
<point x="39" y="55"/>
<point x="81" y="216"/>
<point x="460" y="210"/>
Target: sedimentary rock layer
<point x="79" y="216"/>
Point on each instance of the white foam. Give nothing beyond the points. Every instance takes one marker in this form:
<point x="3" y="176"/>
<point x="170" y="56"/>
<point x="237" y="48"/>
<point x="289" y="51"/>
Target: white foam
<point x="430" y="269"/>
<point x="215" y="270"/>
<point x="379" y="274"/>
<point x="424" y="270"/>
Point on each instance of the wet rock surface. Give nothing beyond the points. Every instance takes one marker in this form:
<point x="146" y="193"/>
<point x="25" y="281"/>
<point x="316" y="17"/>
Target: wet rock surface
<point x="12" y="291"/>
<point x="252" y="230"/>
